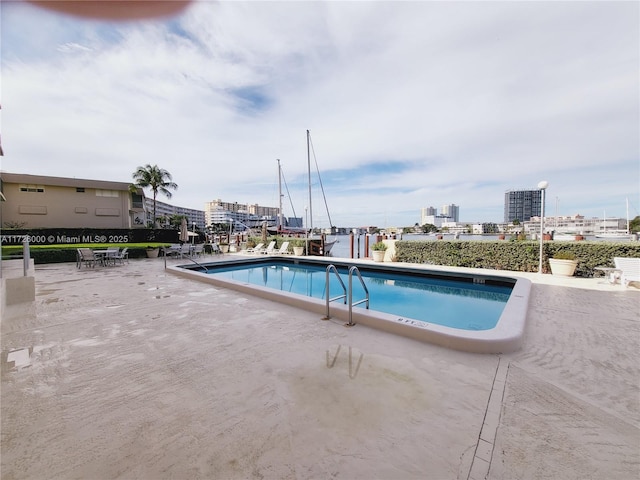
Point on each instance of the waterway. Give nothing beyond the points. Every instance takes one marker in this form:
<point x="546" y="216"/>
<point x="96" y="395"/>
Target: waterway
<point x="342" y="247"/>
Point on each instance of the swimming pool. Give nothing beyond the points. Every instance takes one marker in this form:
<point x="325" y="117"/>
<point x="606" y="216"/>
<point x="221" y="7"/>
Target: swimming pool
<point x="444" y="301"/>
<point x="466" y="311"/>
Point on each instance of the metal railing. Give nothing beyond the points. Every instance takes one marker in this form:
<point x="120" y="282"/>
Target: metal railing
<point x="332" y="268"/>
<point x="355" y="270"/>
<point x="190" y="257"/>
<point x="347" y="294"/>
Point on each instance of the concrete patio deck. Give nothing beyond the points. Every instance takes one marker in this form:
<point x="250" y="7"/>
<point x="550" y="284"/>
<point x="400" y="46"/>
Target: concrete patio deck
<point x="130" y="372"/>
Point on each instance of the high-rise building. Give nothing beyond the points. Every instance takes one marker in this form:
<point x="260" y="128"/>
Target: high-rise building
<point x="521" y="205"/>
<point x="165" y="210"/>
<point x="427" y="213"/>
<point x="218" y="211"/>
<point x="452" y="211"/>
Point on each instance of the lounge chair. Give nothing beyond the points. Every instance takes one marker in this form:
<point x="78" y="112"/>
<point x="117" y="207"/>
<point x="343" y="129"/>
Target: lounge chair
<point x="271" y="248"/>
<point x="284" y="249"/>
<point x="257" y="249"/>
<point x="86" y="256"/>
<point x="198" y="250"/>
<point x="629" y="268"/>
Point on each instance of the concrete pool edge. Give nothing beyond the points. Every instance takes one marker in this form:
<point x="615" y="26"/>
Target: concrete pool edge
<point x="505" y="337"/>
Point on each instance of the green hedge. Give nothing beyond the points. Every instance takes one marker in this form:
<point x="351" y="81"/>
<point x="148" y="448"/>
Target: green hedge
<point x="42" y="254"/>
<point x="519" y="256"/>
<point x="93" y="236"/>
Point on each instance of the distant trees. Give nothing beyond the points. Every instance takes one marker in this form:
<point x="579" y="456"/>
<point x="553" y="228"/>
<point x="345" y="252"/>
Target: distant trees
<point x="176" y="220"/>
<point x="516" y="227"/>
<point x="156" y="178"/>
<point x="219" y="228"/>
<point x="634" y="225"/>
<point x="415" y="229"/>
<point x="490" y="227"/>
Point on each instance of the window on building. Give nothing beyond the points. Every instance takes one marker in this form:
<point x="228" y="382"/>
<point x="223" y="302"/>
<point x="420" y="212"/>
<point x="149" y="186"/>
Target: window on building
<point x="80" y="189"/>
<point x="137" y="201"/>
<point x="32" y="188"/>
<point x="107" y="193"/>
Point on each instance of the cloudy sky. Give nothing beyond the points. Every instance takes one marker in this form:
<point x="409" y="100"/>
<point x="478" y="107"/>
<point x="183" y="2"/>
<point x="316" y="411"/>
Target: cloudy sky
<point x="409" y="104"/>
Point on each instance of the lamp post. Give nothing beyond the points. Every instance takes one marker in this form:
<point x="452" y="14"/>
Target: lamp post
<point x="542" y="186"/>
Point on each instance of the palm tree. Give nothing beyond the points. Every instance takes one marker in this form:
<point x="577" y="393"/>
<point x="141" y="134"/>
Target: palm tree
<point x="156" y="178"/>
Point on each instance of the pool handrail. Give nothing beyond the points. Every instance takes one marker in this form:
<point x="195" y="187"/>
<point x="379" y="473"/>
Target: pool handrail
<point x="188" y="258"/>
<point x="347" y="294"/>
<point x="355" y="269"/>
<point x="332" y="267"/>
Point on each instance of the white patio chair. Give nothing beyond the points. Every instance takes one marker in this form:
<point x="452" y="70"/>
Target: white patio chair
<point x="629" y="268"/>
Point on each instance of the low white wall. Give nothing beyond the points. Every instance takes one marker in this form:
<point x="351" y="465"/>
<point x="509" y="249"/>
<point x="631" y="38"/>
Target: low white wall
<point x="390" y="252"/>
<point x="18" y="291"/>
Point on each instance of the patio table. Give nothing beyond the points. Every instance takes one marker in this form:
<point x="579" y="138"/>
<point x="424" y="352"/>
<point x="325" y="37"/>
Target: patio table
<point x="611" y="274"/>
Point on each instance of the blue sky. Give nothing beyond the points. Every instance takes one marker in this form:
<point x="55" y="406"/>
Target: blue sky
<point x="409" y="104"/>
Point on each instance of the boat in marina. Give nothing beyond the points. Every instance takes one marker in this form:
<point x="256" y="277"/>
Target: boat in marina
<point x="325" y="244"/>
<point x="565" y="237"/>
<point x="319" y="244"/>
<point x="615" y="234"/>
<point x="280" y="227"/>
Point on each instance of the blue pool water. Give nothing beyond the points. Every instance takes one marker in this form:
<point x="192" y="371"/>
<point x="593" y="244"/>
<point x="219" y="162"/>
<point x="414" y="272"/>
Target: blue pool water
<point x="432" y="299"/>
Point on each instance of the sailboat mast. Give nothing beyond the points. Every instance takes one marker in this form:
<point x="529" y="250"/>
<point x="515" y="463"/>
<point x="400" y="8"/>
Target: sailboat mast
<point x="309" y="180"/>
<point x="628" y="229"/>
<point x="280" y="222"/>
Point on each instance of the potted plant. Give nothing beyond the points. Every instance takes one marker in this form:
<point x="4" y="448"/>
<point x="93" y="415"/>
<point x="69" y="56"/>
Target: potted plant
<point x="152" y="252"/>
<point x="224" y="247"/>
<point x="563" y="263"/>
<point x="298" y="245"/>
<point x="378" y="250"/>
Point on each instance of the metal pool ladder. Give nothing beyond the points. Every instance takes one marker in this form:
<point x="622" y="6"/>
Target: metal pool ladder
<point x="347" y="294"/>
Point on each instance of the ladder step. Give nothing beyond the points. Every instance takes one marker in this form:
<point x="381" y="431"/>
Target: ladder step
<point x="359" y="301"/>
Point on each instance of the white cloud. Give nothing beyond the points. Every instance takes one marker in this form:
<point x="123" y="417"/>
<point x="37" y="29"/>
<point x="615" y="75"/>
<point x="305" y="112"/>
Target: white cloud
<point x="465" y="99"/>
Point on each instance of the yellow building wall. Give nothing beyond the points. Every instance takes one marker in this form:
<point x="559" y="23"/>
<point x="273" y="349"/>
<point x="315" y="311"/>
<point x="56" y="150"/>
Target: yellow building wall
<point x="64" y="207"/>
